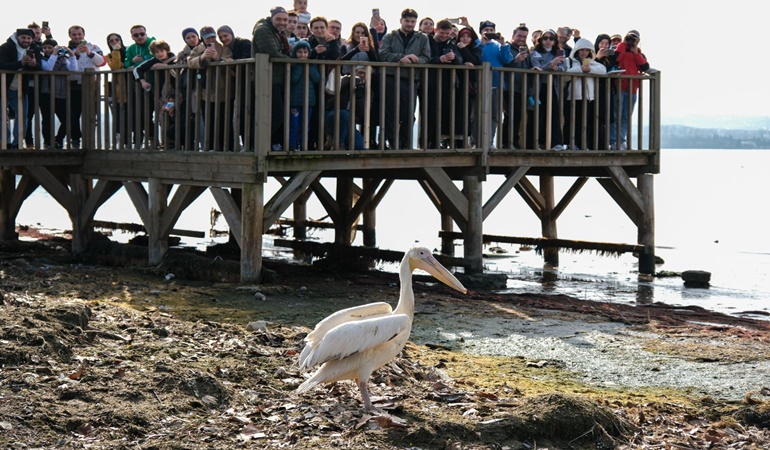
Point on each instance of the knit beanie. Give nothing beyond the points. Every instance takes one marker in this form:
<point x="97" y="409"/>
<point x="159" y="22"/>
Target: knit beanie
<point x="189" y="30"/>
<point x="226" y="29"/>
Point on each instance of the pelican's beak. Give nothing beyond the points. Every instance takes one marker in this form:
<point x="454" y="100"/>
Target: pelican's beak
<point x="431" y="265"/>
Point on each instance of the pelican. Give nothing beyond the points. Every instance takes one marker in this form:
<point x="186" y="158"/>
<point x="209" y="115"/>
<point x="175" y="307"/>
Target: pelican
<point x="354" y="342"/>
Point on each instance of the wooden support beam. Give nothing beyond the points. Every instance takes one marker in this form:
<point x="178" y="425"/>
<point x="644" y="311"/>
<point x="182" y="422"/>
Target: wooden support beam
<point x="139" y="228"/>
<point x="80" y="228"/>
<point x="448" y="193"/>
<point x="25" y="188"/>
<point x="370" y="210"/>
<point x="252" y="212"/>
<point x="364" y="199"/>
<point x="157" y="195"/>
<point x="621" y="199"/>
<point x="230" y="211"/>
<point x="183" y="197"/>
<point x="7" y="216"/>
<point x="286" y="195"/>
<point x="53" y="186"/>
<point x="472" y="244"/>
<point x="541" y="243"/>
<point x="646" y="235"/>
<point x="548" y="223"/>
<point x="568" y="197"/>
<point x="511" y="180"/>
<point x="138" y="196"/>
<point x="327" y="201"/>
<point x="101" y="192"/>
<point x="621" y="178"/>
<point x="343" y="233"/>
<point x="531" y="196"/>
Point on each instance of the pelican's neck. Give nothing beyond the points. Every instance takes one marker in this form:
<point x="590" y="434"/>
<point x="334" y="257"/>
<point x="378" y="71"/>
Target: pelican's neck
<point x="406" y="299"/>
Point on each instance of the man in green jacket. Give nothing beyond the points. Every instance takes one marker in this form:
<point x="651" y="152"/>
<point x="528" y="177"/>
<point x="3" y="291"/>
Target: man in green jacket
<point x="136" y="54"/>
<point x="270" y="39"/>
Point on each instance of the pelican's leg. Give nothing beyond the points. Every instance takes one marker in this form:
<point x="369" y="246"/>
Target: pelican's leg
<point x="365" y="395"/>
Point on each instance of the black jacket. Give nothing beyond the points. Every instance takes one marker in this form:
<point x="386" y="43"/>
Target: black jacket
<point x="9" y="60"/>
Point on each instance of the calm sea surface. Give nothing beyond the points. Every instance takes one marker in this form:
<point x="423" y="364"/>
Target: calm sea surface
<point x="710" y="214"/>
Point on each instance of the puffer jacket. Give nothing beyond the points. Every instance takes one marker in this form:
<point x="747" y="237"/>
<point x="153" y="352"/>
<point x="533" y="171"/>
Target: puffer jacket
<point x="576" y="87"/>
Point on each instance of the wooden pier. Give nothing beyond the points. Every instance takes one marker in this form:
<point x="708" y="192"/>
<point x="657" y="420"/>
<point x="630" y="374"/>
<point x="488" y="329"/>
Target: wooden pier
<point x="453" y="178"/>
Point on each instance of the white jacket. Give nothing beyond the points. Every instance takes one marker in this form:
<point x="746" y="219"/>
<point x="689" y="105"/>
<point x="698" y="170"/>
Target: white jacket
<point x="576" y="86"/>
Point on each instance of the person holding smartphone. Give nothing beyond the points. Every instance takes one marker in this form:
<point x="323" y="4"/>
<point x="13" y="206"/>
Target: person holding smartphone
<point x="546" y="57"/>
<point x="629" y="58"/>
<point x="12" y="59"/>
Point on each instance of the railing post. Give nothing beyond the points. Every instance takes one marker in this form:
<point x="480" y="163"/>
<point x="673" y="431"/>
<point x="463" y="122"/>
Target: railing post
<point x="262" y="126"/>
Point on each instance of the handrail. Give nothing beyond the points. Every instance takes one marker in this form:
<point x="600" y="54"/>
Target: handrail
<point x="222" y="108"/>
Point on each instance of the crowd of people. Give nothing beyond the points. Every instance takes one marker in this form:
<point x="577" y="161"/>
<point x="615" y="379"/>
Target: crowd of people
<point x="287" y="34"/>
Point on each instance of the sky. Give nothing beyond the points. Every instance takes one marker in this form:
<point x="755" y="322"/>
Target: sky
<point x="695" y="45"/>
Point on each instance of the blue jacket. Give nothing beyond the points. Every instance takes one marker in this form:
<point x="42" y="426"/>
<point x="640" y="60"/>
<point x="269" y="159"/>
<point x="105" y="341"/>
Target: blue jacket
<point x="497" y="56"/>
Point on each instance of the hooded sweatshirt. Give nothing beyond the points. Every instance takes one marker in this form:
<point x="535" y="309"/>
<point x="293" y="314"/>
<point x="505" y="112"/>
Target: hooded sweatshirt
<point x="298" y="79"/>
<point x="576" y="66"/>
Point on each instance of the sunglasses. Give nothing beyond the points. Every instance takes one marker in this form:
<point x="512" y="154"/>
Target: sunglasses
<point x="138" y="34"/>
<point x="549" y="38"/>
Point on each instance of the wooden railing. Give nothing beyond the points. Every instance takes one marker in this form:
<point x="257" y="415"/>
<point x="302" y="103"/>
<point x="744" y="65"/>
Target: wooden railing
<point x="226" y="107"/>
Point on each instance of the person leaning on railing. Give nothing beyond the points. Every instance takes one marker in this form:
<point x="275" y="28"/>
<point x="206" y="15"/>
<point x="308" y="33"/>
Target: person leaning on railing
<point x="56" y="58"/>
<point x="212" y="87"/>
<point x="116" y="88"/>
<point x="547" y="58"/>
<point x="16" y="54"/>
<point x="268" y="38"/>
<point x="581" y="60"/>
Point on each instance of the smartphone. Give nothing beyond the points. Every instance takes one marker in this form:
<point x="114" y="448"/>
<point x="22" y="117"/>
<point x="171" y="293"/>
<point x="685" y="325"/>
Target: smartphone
<point x="492" y="36"/>
<point x="611" y="51"/>
<point x="454" y="20"/>
<point x="83" y="42"/>
<point x="31" y="53"/>
<point x="523" y="49"/>
<point x="560" y="52"/>
<point x="376" y="12"/>
<point x="45" y="24"/>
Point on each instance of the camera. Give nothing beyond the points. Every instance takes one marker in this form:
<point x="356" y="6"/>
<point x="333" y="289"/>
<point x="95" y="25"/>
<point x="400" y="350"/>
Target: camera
<point x="83" y="43"/>
<point x="492" y="36"/>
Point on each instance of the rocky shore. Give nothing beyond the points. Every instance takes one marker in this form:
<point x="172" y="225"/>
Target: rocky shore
<point x="118" y="355"/>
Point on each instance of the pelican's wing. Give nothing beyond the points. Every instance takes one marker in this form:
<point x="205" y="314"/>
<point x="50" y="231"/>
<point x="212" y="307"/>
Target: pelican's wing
<point x="344" y="315"/>
<point x="354" y="337"/>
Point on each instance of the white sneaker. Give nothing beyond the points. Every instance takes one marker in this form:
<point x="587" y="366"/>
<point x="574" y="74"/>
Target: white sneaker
<point x="559" y="148"/>
<point x="623" y="146"/>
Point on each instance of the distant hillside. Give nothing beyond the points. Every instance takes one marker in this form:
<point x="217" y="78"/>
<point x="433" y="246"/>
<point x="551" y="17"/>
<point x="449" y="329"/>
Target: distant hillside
<point x="702" y="131"/>
<point x="721" y="136"/>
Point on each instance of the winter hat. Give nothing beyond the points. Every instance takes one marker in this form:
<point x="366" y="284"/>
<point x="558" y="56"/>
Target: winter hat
<point x="207" y="32"/>
<point x="25" y="31"/>
<point x="616" y="36"/>
<point x="277" y="10"/>
<point x="633" y="33"/>
<point x="298" y="45"/>
<point x="189" y="30"/>
<point x="487" y="24"/>
<point x="226" y="29"/>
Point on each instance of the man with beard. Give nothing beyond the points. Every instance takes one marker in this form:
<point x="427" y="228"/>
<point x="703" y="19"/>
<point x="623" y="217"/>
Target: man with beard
<point x="405" y="46"/>
<point x="444" y="52"/>
<point x="16" y="54"/>
<point x="269" y="38"/>
<point x="514" y="111"/>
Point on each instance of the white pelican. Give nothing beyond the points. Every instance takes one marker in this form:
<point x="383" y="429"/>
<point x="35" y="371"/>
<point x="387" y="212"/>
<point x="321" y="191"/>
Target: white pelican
<point x="354" y="342"/>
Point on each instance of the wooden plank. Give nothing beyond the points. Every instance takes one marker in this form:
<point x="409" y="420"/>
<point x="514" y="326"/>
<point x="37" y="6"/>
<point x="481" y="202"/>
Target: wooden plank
<point x="328" y="202"/>
<point x="646" y="235"/>
<point x="511" y="180"/>
<point x="25" y="188"/>
<point x="230" y="211"/>
<point x="472" y="245"/>
<point x="364" y="199"/>
<point x="568" y="197"/>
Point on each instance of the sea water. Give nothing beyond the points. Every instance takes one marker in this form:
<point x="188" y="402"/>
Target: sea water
<point x="710" y="214"/>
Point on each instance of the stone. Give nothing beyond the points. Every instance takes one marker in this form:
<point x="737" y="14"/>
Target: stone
<point x="696" y="278"/>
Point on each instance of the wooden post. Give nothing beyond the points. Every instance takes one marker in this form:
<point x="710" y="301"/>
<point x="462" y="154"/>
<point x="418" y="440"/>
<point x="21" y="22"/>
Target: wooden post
<point x="547" y="221"/>
<point x="252" y="213"/>
<point x="447" y="224"/>
<point x="156" y="205"/>
<point x="646" y="236"/>
<point x="300" y="218"/>
<point x="80" y="229"/>
<point x="7" y="217"/>
<point x="473" y="244"/>
<point x="343" y="230"/>
<point x="370" y="218"/>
